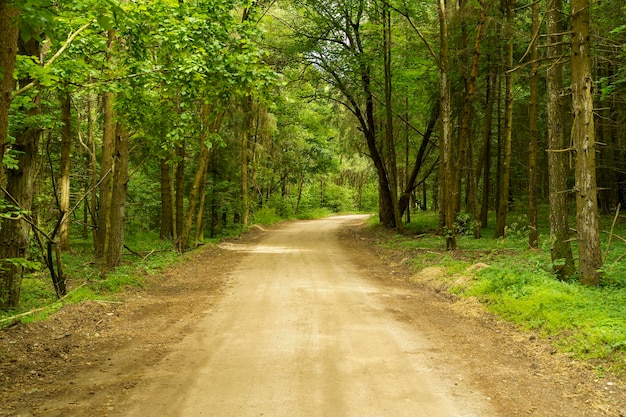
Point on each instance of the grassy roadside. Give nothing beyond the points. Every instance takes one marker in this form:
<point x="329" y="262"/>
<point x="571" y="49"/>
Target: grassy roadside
<point x="515" y="282"/>
<point x="148" y="258"/>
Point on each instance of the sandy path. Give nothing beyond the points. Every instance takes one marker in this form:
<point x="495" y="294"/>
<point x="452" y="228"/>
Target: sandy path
<point x="299" y="332"/>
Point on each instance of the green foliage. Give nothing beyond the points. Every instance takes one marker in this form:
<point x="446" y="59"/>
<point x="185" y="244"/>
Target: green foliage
<point x="266" y="217"/>
<point x="518" y="285"/>
<point x="83" y="275"/>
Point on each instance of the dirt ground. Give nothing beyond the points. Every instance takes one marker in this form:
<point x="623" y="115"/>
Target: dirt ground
<point x="93" y="359"/>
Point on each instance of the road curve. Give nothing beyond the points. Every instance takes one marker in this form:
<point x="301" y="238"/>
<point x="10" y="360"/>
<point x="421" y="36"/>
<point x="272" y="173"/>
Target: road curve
<point x="300" y="332"/>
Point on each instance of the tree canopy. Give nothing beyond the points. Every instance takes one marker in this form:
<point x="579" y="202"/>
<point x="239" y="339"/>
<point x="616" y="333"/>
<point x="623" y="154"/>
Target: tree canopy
<point x="187" y="118"/>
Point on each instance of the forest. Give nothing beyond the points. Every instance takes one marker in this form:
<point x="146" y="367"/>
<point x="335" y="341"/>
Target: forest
<point x="183" y="120"/>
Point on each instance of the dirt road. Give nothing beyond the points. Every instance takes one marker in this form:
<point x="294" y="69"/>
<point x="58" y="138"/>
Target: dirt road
<point x="302" y="333"/>
<point x="306" y="319"/>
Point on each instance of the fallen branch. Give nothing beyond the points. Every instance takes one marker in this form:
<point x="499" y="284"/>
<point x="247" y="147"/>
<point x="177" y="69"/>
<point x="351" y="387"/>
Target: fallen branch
<point x="39" y="309"/>
<point x="608" y="245"/>
<point x="28" y="313"/>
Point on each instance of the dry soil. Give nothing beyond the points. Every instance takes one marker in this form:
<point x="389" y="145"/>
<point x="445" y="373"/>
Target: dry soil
<point x="308" y="318"/>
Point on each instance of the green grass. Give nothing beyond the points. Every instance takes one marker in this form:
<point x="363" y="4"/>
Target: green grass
<point x="83" y="276"/>
<point x="587" y="323"/>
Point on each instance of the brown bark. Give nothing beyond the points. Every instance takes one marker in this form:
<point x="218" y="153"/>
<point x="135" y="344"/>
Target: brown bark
<point x="583" y="139"/>
<point x="446" y="171"/>
<point x="560" y="247"/>
<point x="390" y="148"/>
<point x="245" y="142"/>
<point x="200" y="178"/>
<point x="167" y="223"/>
<point x="503" y="198"/>
<point x="106" y="166"/>
<point x="484" y="159"/>
<point x="533" y="115"/>
<point x="114" y="181"/>
<point x="90" y="146"/>
<point x="465" y="133"/>
<point x="113" y="252"/>
<point x="411" y="184"/>
<point x="15" y="232"/>
<point x="179" y="191"/>
<point x="8" y="52"/>
<point x="64" y="179"/>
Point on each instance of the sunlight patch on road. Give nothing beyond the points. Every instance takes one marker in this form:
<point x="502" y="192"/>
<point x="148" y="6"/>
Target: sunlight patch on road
<point x="259" y="248"/>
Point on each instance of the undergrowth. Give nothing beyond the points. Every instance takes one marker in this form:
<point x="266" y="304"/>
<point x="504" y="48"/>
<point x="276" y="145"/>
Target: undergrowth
<point x="145" y="256"/>
<point x="517" y="284"/>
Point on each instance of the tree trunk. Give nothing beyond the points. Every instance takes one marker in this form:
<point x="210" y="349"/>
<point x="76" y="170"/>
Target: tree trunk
<point x="411" y="184"/>
<point x="167" y="221"/>
<point x="560" y="247"/>
<point x="583" y="139"/>
<point x="484" y="159"/>
<point x="392" y="167"/>
<point x="503" y="202"/>
<point x="106" y="168"/>
<point x="90" y="146"/>
<point x="8" y="54"/>
<point x="194" y="195"/>
<point x="245" y="139"/>
<point x="200" y="177"/>
<point x="533" y="116"/>
<point x="64" y="180"/>
<point x="465" y="131"/>
<point x="407" y="151"/>
<point x="446" y="171"/>
<point x="179" y="192"/>
<point x="15" y="232"/>
<point x="113" y="251"/>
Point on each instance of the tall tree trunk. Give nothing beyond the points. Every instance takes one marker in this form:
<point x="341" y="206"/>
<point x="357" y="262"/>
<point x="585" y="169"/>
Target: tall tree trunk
<point x="199" y="235"/>
<point x="179" y="191"/>
<point x="392" y="167"/>
<point x="407" y="149"/>
<point x="245" y="142"/>
<point x="15" y="232"/>
<point x="484" y="159"/>
<point x="411" y="184"/>
<point x="200" y="177"/>
<point x="583" y="139"/>
<point x="608" y="182"/>
<point x="503" y="203"/>
<point x="90" y="146"/>
<point x="106" y="167"/>
<point x="119" y="188"/>
<point x="167" y="221"/>
<point x="465" y="132"/>
<point x="113" y="186"/>
<point x="64" y="180"/>
<point x="560" y="247"/>
<point x="446" y="171"/>
<point x="533" y="115"/>
<point x="8" y="54"/>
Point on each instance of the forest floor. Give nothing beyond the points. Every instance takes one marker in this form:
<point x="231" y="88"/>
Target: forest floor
<point x="145" y="353"/>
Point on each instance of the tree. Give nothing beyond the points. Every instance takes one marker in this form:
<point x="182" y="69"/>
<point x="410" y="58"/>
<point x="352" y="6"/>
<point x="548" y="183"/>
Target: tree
<point x="9" y="34"/>
<point x="335" y="39"/>
<point x="503" y="201"/>
<point x="64" y="180"/>
<point x="465" y="134"/>
<point x="560" y="247"/>
<point x="583" y="139"/>
<point x="533" y="115"/>
<point x="15" y="231"/>
<point x="447" y="169"/>
<point x="389" y="142"/>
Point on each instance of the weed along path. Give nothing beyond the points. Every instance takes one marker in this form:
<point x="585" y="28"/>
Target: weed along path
<point x="301" y="333"/>
<point x="305" y="319"/>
